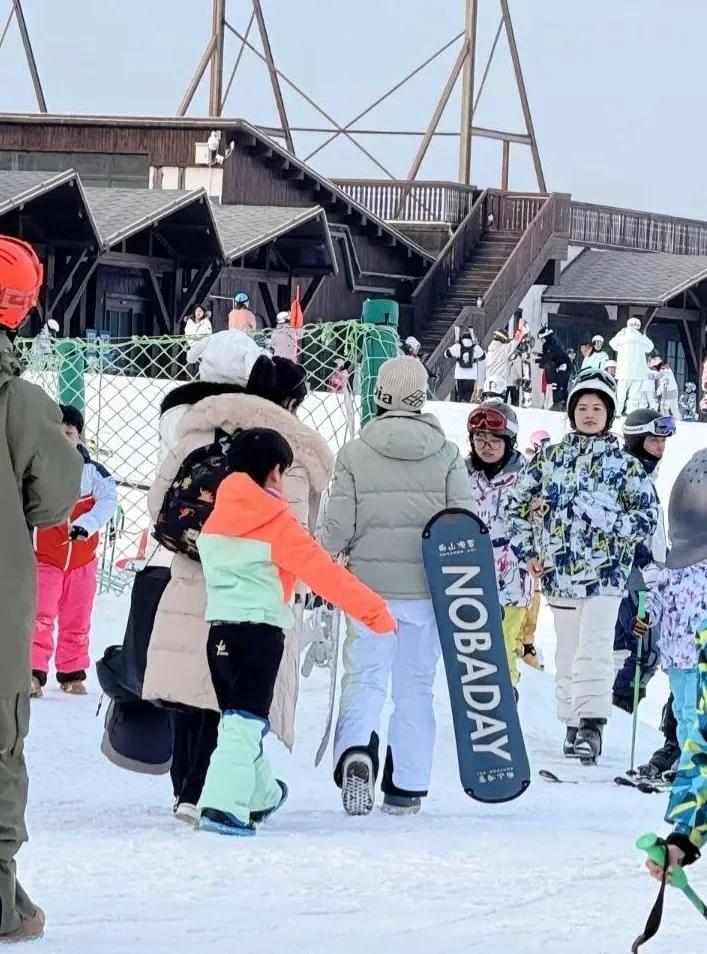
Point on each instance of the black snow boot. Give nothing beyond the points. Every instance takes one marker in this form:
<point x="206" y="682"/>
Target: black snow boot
<point x="588" y="745"/>
<point x="568" y="744"/>
<point x="663" y="759"/>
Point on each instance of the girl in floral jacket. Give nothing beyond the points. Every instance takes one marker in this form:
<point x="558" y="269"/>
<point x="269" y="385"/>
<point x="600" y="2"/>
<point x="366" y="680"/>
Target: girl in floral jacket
<point x="494" y="467"/>
<point x="598" y="505"/>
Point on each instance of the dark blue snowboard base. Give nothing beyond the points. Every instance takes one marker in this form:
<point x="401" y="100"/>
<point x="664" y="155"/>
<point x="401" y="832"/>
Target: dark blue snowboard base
<point x="458" y="558"/>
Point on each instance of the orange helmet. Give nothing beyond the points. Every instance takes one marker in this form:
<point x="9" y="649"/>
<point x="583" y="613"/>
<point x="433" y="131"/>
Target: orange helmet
<point x="21" y="275"/>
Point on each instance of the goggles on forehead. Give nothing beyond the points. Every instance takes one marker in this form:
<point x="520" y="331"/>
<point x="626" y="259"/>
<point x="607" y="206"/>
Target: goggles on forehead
<point x="660" y="427"/>
<point x="492" y="420"/>
<point x="595" y="374"/>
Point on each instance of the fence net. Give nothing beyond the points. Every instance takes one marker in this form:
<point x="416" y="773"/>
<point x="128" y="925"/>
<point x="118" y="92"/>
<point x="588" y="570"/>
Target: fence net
<point x="120" y="384"/>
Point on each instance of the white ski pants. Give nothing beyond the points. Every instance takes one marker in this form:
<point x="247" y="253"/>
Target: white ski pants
<point x="410" y="657"/>
<point x="629" y="396"/>
<point x="584" y="658"/>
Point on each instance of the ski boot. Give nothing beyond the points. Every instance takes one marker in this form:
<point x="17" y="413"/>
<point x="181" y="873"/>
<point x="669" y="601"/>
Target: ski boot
<point x="589" y="738"/>
<point x="401" y="804"/>
<point x="39" y="681"/>
<point x="223" y="823"/>
<point x="569" y="743"/>
<point x="257" y="818"/>
<point x="358" y="784"/>
<point x="73" y="683"/>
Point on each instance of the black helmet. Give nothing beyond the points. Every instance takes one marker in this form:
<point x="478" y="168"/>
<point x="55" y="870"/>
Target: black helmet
<point x="642" y="423"/>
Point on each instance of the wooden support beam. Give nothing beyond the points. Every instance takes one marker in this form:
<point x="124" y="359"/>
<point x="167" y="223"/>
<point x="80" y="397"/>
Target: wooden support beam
<point x="311" y="291"/>
<point x="66" y="281"/>
<point x="691" y="346"/>
<point x="163" y="316"/>
<point x="270" y="309"/>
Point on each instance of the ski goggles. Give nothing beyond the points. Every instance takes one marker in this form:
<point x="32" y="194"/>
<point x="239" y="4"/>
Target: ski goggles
<point x="586" y="375"/>
<point x="492" y="420"/>
<point x="660" y="427"/>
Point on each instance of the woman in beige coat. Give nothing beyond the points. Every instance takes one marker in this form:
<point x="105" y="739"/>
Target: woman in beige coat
<point x="177" y="669"/>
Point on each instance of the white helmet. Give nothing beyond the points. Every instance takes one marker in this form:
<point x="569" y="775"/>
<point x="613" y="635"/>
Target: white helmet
<point x="282" y="317"/>
<point x="53" y="326"/>
<point x="412" y="343"/>
<point x="598" y="341"/>
<point x="634" y="323"/>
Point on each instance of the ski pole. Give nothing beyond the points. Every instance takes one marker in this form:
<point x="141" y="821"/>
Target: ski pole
<point x="642" y="598"/>
<point x="655" y="848"/>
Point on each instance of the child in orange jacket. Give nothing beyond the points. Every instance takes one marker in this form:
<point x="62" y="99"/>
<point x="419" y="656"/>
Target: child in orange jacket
<point x="252" y="551"/>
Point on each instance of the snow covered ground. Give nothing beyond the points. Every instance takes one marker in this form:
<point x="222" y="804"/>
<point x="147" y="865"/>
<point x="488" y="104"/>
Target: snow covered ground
<point x="554" y="871"/>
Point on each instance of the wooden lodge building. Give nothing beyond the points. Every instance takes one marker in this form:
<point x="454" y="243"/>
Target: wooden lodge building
<point x="138" y="221"/>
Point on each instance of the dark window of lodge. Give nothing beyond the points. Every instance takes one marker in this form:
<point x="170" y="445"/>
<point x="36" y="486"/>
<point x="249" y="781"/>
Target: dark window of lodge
<point x="95" y="169"/>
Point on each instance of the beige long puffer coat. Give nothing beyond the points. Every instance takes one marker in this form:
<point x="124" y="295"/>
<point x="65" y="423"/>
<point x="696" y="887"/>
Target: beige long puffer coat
<point x="177" y="668"/>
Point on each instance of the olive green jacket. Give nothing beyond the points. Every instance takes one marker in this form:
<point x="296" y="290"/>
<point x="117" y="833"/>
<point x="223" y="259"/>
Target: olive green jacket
<point x="40" y="479"/>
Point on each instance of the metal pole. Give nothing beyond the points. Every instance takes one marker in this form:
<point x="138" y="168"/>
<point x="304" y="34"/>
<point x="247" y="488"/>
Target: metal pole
<point x="237" y="63"/>
<point x="275" y="82"/>
<point x="216" y="76"/>
<point x="468" y="93"/>
<point x="505" y="165"/>
<point x="312" y="103"/>
<point x="29" y="52"/>
<point x="196" y="78"/>
<point x="530" y="129"/>
<point x="7" y="25"/>
<point x="387" y="94"/>
<point x="462" y="59"/>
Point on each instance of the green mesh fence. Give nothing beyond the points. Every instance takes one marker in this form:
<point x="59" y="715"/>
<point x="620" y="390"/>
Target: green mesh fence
<point x="120" y="385"/>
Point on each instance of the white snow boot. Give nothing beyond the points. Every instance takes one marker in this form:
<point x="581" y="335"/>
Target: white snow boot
<point x="358" y="784"/>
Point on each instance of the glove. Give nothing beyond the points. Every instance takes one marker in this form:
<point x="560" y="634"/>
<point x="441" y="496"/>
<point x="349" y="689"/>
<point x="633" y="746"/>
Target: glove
<point x="78" y="533"/>
<point x="598" y="510"/>
<point x="640" y="627"/>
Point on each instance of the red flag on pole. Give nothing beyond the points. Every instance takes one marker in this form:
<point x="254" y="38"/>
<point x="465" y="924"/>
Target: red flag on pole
<point x="296" y="313"/>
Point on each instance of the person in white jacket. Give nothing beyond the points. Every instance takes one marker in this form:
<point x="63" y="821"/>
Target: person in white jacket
<point x="667" y="388"/>
<point x="198" y="324"/>
<point x="631" y="347"/>
<point x="499" y="360"/>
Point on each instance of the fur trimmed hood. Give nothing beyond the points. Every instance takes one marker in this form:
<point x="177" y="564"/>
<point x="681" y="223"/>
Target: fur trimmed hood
<point x="229" y="411"/>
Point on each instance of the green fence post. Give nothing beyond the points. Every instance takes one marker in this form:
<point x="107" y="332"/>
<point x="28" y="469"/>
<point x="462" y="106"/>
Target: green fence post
<point x="378" y="346"/>
<point x="70" y="385"/>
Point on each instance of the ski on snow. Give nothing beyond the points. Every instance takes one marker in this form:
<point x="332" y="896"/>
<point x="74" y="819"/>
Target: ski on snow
<point x="648" y="787"/>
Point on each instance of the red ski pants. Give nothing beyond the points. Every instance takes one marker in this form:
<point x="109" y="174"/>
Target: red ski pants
<point x="64" y="597"/>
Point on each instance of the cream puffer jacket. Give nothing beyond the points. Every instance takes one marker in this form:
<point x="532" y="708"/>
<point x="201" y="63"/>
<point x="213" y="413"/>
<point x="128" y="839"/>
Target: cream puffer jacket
<point x="388" y="484"/>
<point x="177" y="667"/>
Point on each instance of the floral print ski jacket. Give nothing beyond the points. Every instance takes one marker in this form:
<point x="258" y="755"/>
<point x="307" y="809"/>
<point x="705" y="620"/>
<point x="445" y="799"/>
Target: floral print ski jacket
<point x="489" y="496"/>
<point x="677" y="605"/>
<point x="582" y="558"/>
<point x="687" y="809"/>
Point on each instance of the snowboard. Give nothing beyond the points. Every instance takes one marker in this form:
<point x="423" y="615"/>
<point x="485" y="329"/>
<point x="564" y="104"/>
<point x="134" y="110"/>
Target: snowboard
<point x="333" y="621"/>
<point x="459" y="564"/>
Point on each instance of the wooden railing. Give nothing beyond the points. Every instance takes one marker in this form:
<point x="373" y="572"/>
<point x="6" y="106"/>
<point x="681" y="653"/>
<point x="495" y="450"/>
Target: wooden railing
<point x="442" y="275"/>
<point x="411" y="201"/>
<point x="609" y="227"/>
<point x="512" y="282"/>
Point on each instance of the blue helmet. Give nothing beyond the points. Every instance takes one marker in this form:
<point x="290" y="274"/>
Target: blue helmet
<point x="241" y="299"/>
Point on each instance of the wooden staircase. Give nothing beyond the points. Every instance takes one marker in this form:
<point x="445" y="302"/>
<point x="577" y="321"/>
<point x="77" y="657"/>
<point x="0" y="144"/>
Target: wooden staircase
<point x="473" y="280"/>
<point x="481" y="276"/>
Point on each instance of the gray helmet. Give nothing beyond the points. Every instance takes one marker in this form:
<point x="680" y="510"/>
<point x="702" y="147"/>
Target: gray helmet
<point x="687" y="514"/>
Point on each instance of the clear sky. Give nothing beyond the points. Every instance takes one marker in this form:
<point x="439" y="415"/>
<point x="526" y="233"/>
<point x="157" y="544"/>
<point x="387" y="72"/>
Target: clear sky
<point x="616" y="86"/>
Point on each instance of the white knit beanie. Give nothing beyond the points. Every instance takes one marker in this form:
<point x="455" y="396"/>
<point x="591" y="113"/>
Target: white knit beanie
<point x="225" y="358"/>
<point x="401" y="385"/>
